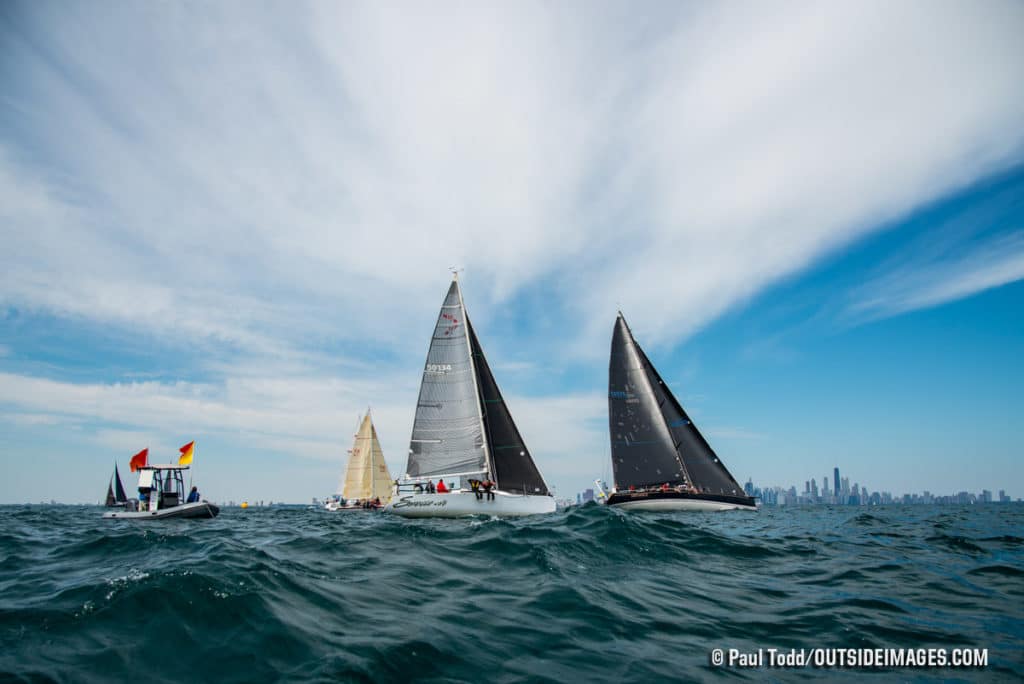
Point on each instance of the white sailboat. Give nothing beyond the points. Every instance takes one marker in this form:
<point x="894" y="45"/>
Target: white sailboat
<point x="367" y="484"/>
<point x="464" y="432"/>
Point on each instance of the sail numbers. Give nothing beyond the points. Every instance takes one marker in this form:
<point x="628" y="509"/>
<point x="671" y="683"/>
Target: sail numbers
<point x="439" y="367"/>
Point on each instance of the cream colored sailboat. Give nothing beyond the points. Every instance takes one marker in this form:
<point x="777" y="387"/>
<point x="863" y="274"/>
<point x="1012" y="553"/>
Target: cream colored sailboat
<point x="367" y="484"/>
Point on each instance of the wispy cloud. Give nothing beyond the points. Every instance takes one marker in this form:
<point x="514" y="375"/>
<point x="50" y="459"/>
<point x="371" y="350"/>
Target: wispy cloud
<point x="293" y="174"/>
<point x="964" y="273"/>
<point x="311" y="418"/>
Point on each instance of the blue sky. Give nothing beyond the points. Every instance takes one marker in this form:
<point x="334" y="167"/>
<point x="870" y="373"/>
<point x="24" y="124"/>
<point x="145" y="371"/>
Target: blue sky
<point x="234" y="224"/>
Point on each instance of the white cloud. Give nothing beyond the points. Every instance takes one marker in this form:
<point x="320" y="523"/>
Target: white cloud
<point x="310" y="418"/>
<point x="949" y="277"/>
<point x="311" y="174"/>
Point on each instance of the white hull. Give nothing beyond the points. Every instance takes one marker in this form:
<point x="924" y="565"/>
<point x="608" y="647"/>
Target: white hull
<point x="462" y="503"/>
<point x="348" y="509"/>
<point x="681" y="505"/>
<point x="199" y="509"/>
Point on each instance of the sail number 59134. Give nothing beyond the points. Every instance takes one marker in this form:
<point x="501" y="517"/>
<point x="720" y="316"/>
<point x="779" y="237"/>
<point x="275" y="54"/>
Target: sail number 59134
<point x="438" y="367"/>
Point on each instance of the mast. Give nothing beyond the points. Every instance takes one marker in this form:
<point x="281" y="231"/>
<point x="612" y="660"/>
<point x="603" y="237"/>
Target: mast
<point x="476" y="382"/>
<point x="371" y="465"/>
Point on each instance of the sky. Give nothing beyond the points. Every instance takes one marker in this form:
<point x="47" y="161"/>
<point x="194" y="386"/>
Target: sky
<point x="235" y="222"/>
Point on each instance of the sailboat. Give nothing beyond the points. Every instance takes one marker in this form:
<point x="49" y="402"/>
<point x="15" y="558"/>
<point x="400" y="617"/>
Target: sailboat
<point x="660" y="460"/>
<point x="115" y="491"/>
<point x="463" y="429"/>
<point x="367" y="479"/>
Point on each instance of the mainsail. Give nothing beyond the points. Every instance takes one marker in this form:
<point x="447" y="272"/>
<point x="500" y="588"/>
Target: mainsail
<point x="448" y="433"/>
<point x="463" y="426"/>
<point x="119" y="494"/>
<point x="367" y="476"/>
<point x="653" y="439"/>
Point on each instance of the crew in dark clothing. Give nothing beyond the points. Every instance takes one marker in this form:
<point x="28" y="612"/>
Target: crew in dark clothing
<point x="488" y="486"/>
<point x="193" y="496"/>
<point x="431" y="489"/>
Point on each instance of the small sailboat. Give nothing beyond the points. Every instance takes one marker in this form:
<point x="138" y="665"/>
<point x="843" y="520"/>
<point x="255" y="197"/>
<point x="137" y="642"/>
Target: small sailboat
<point x="116" y="498"/>
<point x="367" y="484"/>
<point x="660" y="460"/>
<point x="464" y="431"/>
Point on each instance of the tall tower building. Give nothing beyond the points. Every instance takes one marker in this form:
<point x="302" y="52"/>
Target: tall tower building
<point x="835" y="479"/>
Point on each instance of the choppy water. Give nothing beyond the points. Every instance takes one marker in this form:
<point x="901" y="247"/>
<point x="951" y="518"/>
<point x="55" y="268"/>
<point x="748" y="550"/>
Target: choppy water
<point x="591" y="594"/>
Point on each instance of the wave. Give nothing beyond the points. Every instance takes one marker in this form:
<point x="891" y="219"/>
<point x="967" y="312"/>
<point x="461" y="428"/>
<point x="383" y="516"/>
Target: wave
<point x="589" y="593"/>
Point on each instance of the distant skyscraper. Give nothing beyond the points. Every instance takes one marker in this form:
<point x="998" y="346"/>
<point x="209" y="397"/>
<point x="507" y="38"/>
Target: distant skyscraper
<point x="835" y="479"/>
<point x="588" y="495"/>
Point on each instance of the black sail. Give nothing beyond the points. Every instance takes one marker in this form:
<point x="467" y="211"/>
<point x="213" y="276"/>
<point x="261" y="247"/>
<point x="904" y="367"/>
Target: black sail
<point x="514" y="469"/>
<point x="638" y="396"/>
<point x="119" y="494"/>
<point x="111" y="501"/>
<point x="643" y="450"/>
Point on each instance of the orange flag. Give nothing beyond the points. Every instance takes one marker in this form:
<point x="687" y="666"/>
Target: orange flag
<point x="138" y="460"/>
<point x="186" y="453"/>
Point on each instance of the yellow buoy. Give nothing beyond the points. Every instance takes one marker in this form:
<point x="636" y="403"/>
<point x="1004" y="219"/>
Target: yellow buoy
<point x="245" y="504"/>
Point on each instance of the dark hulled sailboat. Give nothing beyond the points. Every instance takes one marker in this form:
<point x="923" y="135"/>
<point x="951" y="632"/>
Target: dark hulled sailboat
<point x="659" y="458"/>
<point x="115" y="491"/>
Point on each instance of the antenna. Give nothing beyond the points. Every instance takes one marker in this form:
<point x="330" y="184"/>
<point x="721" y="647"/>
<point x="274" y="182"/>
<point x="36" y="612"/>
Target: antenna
<point x="455" y="271"/>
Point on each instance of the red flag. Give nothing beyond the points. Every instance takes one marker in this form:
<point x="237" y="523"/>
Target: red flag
<point x="186" y="453"/>
<point x="138" y="460"/>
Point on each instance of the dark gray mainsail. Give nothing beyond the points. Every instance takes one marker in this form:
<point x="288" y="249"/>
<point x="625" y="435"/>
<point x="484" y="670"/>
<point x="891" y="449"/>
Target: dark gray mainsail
<point x="653" y="440"/>
<point x="514" y="469"/>
<point x="119" y="494"/>
<point x="448" y="433"/>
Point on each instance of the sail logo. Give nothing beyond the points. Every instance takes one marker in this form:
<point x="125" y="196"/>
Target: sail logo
<point x="682" y="422"/>
<point x="454" y="323"/>
<point x="439" y="367"/>
<point x="618" y="395"/>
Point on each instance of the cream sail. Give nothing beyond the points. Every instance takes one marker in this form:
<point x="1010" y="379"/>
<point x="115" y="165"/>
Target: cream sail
<point x="366" y="479"/>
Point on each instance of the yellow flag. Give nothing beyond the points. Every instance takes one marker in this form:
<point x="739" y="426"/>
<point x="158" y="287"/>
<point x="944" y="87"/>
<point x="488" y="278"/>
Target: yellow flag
<point x="186" y="453"/>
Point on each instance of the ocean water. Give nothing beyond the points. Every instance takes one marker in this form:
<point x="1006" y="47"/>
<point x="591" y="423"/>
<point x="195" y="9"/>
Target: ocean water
<point x="592" y="594"/>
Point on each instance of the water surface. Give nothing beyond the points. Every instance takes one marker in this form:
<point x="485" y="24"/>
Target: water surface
<point x="297" y="594"/>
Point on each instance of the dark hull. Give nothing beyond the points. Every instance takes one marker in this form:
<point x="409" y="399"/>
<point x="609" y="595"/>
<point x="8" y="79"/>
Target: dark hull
<point x="682" y="501"/>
